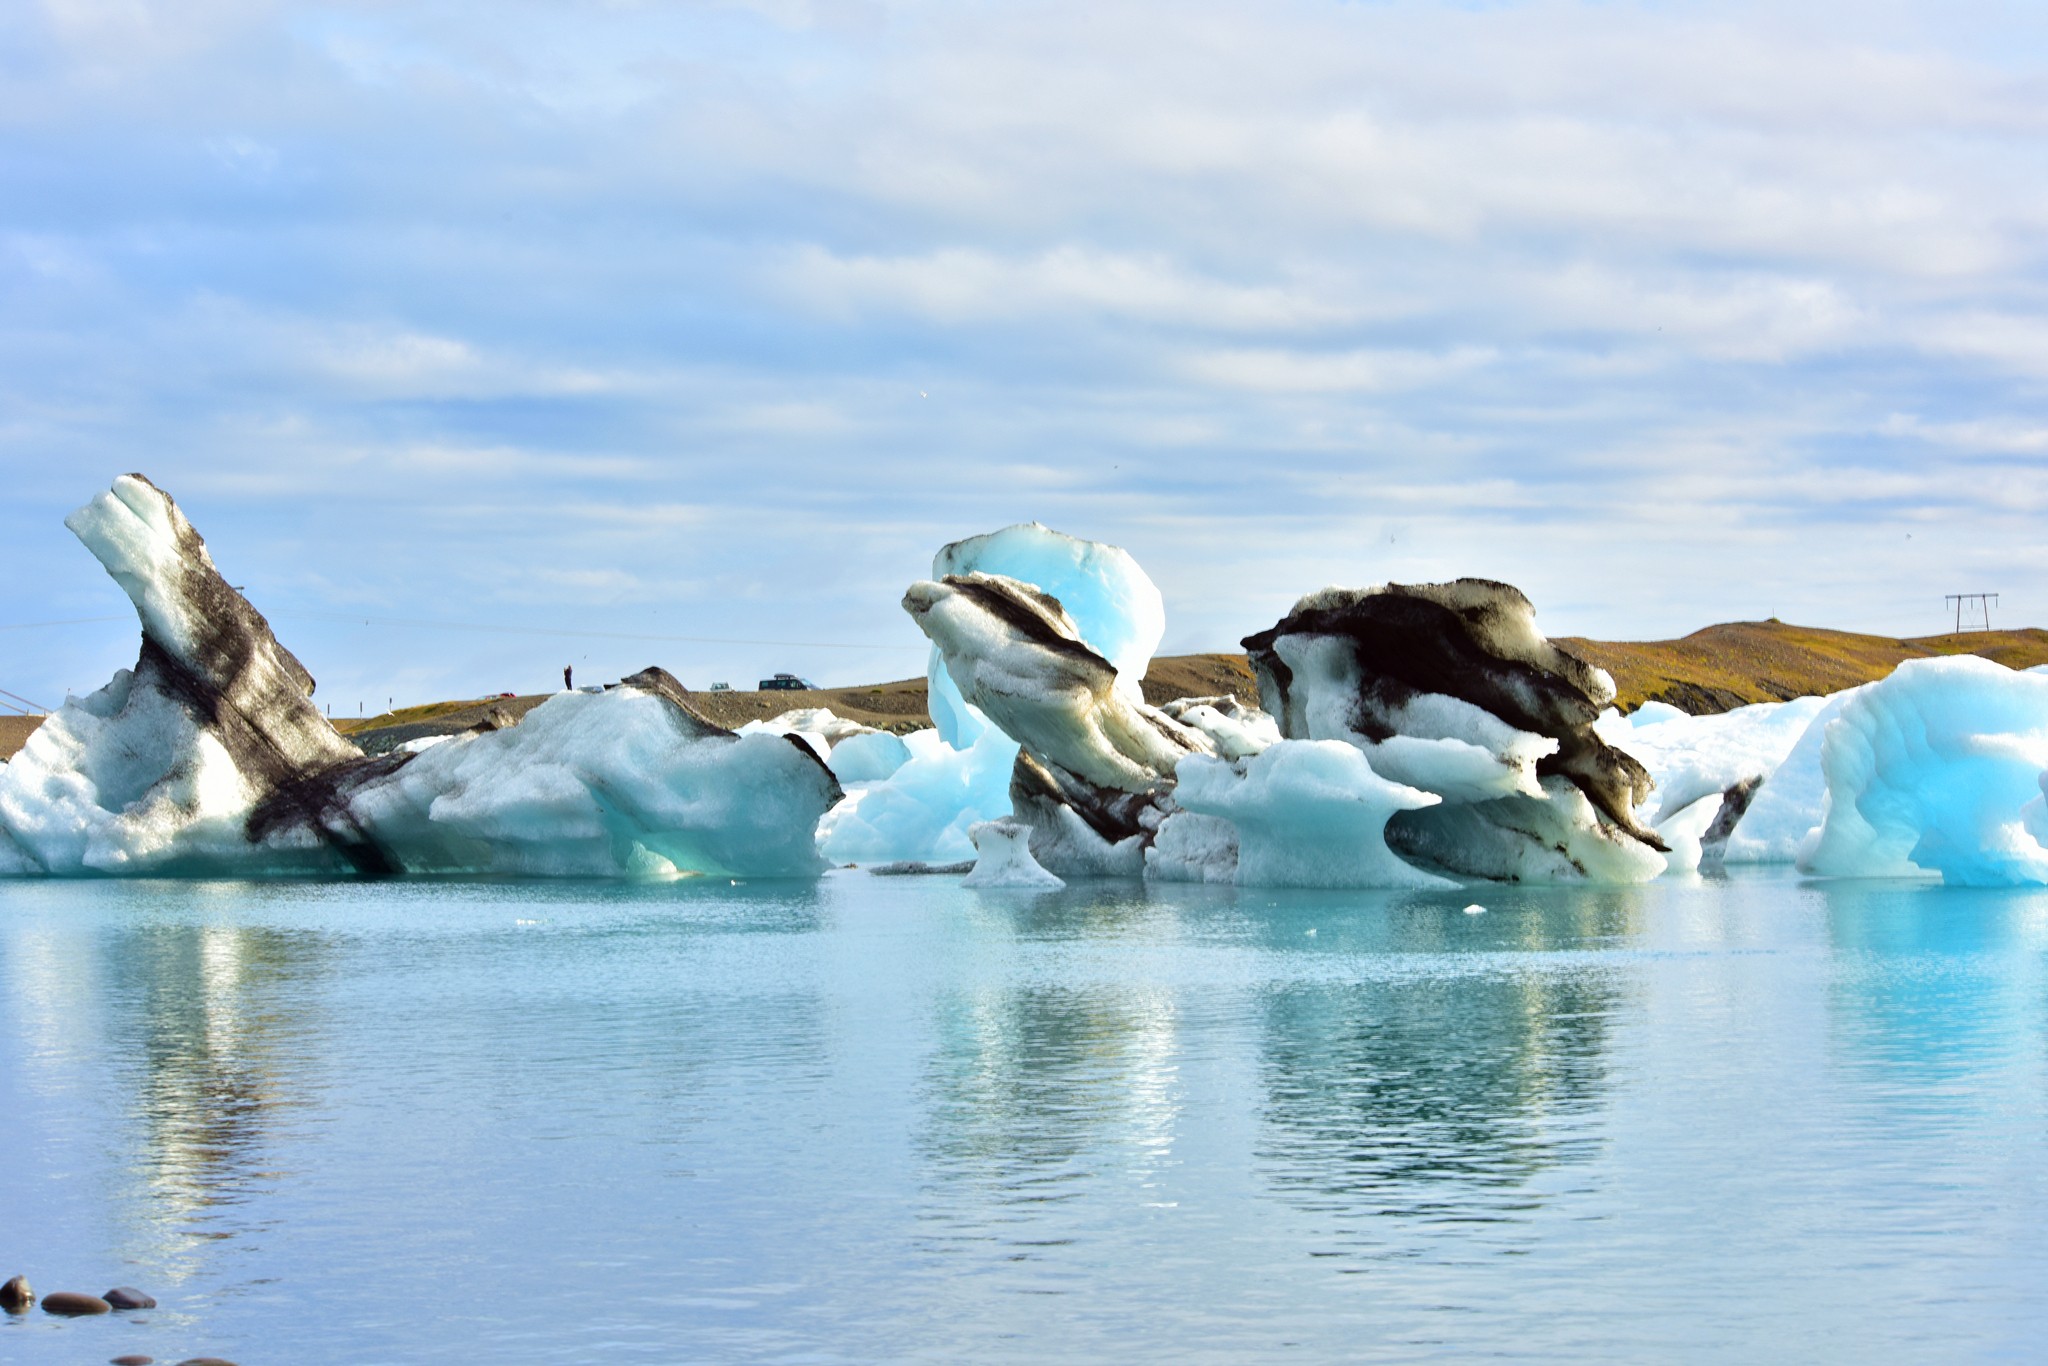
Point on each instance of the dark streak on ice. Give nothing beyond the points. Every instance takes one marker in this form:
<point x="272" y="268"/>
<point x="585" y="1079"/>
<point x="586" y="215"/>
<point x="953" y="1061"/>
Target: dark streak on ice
<point x="1467" y="639"/>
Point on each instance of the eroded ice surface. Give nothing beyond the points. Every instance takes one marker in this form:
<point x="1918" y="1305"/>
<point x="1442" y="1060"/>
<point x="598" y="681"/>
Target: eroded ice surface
<point x="209" y="757"/>
<point x="1933" y="770"/>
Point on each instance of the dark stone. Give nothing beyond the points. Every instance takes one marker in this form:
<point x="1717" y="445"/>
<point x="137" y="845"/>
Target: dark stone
<point x="73" y="1305"/>
<point x="16" y="1297"/>
<point x="128" y="1297"/>
<point x="132" y="1360"/>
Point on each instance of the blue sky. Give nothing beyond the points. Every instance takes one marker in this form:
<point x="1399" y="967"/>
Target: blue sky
<point x="715" y="320"/>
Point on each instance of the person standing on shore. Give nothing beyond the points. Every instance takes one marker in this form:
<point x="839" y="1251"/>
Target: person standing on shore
<point x="568" y="678"/>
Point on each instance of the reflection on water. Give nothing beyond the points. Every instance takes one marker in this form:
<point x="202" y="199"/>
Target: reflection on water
<point x="1433" y="1085"/>
<point x="1937" y="991"/>
<point x="886" y="1118"/>
<point x="213" y="1021"/>
<point x="1037" y="1092"/>
<point x="1023" y="1081"/>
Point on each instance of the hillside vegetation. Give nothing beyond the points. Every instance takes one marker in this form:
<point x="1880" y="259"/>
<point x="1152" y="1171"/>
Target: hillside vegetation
<point x="1710" y="670"/>
<point x="1740" y="662"/>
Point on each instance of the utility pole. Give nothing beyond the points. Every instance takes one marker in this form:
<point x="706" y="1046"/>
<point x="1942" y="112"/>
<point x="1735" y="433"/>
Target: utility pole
<point x="1976" y="606"/>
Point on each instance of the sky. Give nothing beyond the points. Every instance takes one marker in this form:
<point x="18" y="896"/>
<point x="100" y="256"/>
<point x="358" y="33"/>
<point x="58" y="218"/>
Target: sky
<point x="483" y="338"/>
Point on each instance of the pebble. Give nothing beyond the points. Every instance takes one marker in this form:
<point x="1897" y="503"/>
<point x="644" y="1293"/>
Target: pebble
<point x="73" y="1305"/>
<point x="16" y="1297"/>
<point x="132" y="1361"/>
<point x="128" y="1297"/>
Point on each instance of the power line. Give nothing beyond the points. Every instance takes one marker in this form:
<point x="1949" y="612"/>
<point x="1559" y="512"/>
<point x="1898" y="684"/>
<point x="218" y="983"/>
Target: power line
<point x="18" y="700"/>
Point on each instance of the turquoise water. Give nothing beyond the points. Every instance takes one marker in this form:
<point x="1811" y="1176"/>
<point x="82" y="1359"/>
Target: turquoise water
<point x="890" y="1119"/>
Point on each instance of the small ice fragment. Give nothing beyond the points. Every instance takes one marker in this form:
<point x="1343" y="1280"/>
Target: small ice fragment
<point x="1311" y="933"/>
<point x="1475" y="909"/>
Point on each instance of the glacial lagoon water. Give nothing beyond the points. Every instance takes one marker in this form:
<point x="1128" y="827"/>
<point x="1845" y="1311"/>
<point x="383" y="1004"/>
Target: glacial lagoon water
<point x="889" y="1119"/>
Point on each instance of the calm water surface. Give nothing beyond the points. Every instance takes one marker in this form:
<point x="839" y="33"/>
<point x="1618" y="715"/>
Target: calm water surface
<point x="891" y="1119"/>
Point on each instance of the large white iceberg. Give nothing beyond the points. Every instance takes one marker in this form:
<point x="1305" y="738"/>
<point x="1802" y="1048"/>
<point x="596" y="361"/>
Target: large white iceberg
<point x="1937" y="769"/>
<point x="1451" y="689"/>
<point x="1097" y="762"/>
<point x="922" y="811"/>
<point x="209" y="757"/>
<point x="1114" y="606"/>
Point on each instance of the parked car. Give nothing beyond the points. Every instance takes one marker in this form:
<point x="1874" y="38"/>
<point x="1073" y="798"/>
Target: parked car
<point x="787" y="683"/>
<point x="721" y="687"/>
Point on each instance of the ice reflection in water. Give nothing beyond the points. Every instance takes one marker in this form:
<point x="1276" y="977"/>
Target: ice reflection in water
<point x="1434" y="1085"/>
<point x="1040" y="1092"/>
<point x="221" y="1017"/>
<point x="891" y="1119"/>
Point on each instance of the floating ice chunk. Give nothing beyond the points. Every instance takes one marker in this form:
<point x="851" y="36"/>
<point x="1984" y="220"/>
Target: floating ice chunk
<point x="1115" y="607"/>
<point x="1097" y="762"/>
<point x="600" y="784"/>
<point x="868" y="757"/>
<point x="818" y="721"/>
<point x="921" y="812"/>
<point x="1236" y="730"/>
<point x="1450" y="688"/>
<point x="153" y="773"/>
<point x="1018" y="658"/>
<point x="1685" y="833"/>
<point x="1557" y="837"/>
<point x="1787" y="809"/>
<point x="1655" y="714"/>
<point x="1003" y="858"/>
<point x="1307" y="813"/>
<point x="1931" y="770"/>
<point x="125" y="780"/>
<point x="1192" y="847"/>
<point x="208" y="757"/>
<point x="1691" y="757"/>
<point x="1475" y="909"/>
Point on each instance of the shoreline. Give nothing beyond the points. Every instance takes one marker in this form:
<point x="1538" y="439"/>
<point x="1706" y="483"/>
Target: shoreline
<point x="1717" y="668"/>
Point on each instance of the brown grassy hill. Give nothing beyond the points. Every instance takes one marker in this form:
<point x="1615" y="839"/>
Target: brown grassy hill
<point x="1710" y="670"/>
<point x="1768" y="661"/>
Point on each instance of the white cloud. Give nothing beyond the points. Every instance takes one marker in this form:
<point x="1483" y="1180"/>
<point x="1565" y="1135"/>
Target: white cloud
<point x="959" y="285"/>
<point x="1366" y="371"/>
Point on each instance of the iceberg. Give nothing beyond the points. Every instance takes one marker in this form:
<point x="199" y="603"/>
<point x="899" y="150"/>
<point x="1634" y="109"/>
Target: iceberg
<point x="1303" y="813"/>
<point x="1004" y="858"/>
<point x="1450" y="689"/>
<point x="1787" y="809"/>
<point x="1097" y="762"/>
<point x="208" y="757"/>
<point x="1113" y="604"/>
<point x="1709" y="770"/>
<point x="1936" y="769"/>
<point x="922" y="811"/>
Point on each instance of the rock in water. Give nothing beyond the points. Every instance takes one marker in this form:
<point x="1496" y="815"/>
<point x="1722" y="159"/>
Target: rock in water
<point x="133" y="1359"/>
<point x="71" y="1305"/>
<point x="127" y="1297"/>
<point x="1450" y="689"/>
<point x="15" y="1296"/>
